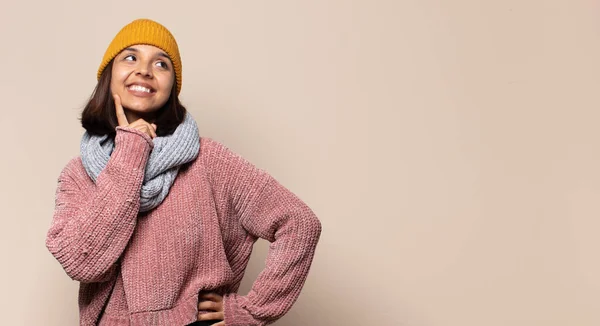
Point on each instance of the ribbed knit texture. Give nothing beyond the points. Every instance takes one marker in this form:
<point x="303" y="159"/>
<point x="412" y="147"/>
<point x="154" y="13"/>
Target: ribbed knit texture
<point x="148" y="32"/>
<point x="169" y="153"/>
<point x="148" y="269"/>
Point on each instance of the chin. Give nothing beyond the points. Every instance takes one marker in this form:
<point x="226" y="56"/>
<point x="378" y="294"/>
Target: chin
<point x="141" y="112"/>
<point x="140" y="108"/>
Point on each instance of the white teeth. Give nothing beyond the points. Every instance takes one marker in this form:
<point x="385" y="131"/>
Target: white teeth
<point x="139" y="88"/>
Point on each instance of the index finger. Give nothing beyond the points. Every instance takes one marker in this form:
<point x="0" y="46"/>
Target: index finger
<point x="121" y="118"/>
<point x="211" y="296"/>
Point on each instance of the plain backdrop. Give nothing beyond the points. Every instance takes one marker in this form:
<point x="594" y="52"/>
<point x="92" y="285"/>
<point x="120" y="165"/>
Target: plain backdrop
<point x="451" y="148"/>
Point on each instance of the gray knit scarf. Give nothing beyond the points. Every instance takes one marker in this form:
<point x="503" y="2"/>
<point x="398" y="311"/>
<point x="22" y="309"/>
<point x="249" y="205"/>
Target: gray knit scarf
<point x="168" y="154"/>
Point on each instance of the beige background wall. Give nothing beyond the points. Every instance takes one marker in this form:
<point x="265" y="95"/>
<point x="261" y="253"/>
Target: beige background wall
<point x="451" y="148"/>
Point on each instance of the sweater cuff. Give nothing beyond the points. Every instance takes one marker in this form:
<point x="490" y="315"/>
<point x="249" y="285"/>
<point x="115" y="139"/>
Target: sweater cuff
<point x="132" y="148"/>
<point x="234" y="312"/>
<point x="129" y="130"/>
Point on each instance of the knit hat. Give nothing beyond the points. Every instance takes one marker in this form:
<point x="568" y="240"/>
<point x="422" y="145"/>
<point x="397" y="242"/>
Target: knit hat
<point x="148" y="32"/>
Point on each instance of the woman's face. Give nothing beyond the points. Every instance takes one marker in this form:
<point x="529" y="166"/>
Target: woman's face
<point x="142" y="76"/>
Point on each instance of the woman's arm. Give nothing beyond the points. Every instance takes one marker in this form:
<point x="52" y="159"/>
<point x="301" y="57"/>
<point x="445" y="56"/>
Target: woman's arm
<point x="91" y="228"/>
<point x="267" y="210"/>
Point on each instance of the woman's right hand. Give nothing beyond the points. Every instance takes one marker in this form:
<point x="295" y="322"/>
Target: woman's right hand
<point x="140" y="124"/>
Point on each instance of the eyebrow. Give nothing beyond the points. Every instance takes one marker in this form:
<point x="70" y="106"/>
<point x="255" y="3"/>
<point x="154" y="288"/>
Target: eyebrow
<point x="161" y="54"/>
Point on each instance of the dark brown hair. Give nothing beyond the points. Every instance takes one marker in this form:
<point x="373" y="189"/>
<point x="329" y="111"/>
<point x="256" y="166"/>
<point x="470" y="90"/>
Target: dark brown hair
<point x="99" y="117"/>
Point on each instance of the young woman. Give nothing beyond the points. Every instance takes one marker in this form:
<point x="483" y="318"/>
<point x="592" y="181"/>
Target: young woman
<point x="156" y="223"/>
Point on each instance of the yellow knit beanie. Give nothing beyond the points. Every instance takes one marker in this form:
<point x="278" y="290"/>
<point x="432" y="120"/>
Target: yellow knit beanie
<point x="148" y="32"/>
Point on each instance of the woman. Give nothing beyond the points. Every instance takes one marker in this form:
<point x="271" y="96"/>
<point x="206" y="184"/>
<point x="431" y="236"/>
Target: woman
<point x="156" y="223"/>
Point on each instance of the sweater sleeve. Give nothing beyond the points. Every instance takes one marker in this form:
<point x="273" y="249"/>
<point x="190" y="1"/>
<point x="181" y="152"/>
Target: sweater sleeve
<point x="91" y="227"/>
<point x="267" y="210"/>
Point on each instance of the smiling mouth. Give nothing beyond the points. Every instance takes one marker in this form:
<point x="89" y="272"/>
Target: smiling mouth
<point x="138" y="88"/>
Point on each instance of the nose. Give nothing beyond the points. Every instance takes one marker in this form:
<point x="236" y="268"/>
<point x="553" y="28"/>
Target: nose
<point x="144" y="70"/>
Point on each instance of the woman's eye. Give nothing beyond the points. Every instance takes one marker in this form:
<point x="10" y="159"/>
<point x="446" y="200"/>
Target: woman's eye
<point x="130" y="57"/>
<point x="162" y="64"/>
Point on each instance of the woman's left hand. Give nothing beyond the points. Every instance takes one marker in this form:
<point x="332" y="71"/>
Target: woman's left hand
<point x="211" y="302"/>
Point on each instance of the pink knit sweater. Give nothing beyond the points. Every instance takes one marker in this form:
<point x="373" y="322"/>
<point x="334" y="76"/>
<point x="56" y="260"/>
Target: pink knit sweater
<point x="148" y="268"/>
